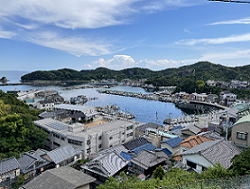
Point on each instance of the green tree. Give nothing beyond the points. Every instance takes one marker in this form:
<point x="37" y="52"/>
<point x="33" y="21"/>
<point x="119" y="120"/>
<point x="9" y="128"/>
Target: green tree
<point x="159" y="173"/>
<point x="241" y="163"/>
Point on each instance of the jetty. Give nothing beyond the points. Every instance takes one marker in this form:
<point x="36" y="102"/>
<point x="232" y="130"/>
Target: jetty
<point x="159" y="97"/>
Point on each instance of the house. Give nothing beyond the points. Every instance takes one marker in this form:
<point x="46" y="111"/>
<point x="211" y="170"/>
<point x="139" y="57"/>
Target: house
<point x="148" y="147"/>
<point x="89" y="139"/>
<point x="63" y="156"/>
<point x="146" y="162"/>
<point x="61" y="178"/>
<point x="45" y="104"/>
<point x="9" y="169"/>
<point x="32" y="164"/>
<point x="105" y="166"/>
<point x="171" y="144"/>
<point x="135" y="143"/>
<point x="88" y="112"/>
<point x="240" y="132"/>
<point x="193" y="141"/>
<point x="212" y="98"/>
<point x="190" y="130"/>
<point x="208" y="154"/>
<point x="60" y="115"/>
<point x="141" y="130"/>
<point x="211" y="83"/>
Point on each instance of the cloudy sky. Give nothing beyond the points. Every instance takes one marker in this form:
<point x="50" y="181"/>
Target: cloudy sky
<point x="118" y="34"/>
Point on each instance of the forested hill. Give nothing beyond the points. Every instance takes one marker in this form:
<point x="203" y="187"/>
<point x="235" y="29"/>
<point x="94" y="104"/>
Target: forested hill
<point x="203" y="71"/>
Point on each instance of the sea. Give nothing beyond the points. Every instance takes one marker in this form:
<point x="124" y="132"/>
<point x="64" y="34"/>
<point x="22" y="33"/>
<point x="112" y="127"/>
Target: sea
<point x="144" y="110"/>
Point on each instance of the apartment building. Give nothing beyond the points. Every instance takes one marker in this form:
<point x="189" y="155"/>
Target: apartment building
<point x="89" y="139"/>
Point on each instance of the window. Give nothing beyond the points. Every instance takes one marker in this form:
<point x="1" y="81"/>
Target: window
<point x="55" y="135"/>
<point x="110" y="138"/>
<point x="75" y="142"/>
<point x="100" y="145"/>
<point x="100" y="137"/>
<point x="88" y="142"/>
<point x="62" y="138"/>
<point x="111" y="145"/>
<point x="130" y="134"/>
<point x="130" y="127"/>
<point x="242" y="136"/>
<point x="191" y="164"/>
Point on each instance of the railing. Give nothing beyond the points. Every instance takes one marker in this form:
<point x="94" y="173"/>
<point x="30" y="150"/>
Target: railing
<point x="241" y="182"/>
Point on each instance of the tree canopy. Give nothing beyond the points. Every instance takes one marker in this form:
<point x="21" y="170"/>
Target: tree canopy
<point x="18" y="133"/>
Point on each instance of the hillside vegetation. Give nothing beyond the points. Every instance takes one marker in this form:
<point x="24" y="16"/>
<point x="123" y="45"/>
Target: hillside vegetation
<point x="18" y="133"/>
<point x="171" y="76"/>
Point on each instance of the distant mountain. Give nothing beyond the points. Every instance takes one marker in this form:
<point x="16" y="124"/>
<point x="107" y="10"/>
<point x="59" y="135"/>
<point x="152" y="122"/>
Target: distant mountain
<point x="200" y="70"/>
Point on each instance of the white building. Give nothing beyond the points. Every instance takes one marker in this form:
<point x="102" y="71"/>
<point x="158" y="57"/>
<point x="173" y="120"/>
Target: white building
<point x="90" y="139"/>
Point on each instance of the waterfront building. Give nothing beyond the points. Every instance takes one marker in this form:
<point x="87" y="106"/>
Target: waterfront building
<point x="88" y="139"/>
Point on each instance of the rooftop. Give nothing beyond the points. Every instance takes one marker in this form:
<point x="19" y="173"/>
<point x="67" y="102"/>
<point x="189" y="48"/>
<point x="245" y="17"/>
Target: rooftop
<point x="60" y="178"/>
<point x="8" y="164"/>
<point x="194" y="140"/>
<point x="173" y="142"/>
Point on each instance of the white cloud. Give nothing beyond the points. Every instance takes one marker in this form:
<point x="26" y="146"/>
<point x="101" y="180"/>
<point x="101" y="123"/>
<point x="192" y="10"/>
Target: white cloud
<point x="6" y="34"/>
<point x="73" y="45"/>
<point x="219" y="56"/>
<point x="238" y="21"/>
<point x="69" y="14"/>
<point x="118" y="62"/>
<point x="169" y="4"/>
<point x="221" y="40"/>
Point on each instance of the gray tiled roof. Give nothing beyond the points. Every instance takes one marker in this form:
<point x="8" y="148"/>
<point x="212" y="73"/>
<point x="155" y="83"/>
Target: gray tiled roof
<point x="63" y="153"/>
<point x="108" y="164"/>
<point x="60" y="178"/>
<point x="221" y="151"/>
<point x="130" y="145"/>
<point x="192" y="128"/>
<point x="147" y="159"/>
<point x="27" y="161"/>
<point x="9" y="164"/>
<point x="148" y="125"/>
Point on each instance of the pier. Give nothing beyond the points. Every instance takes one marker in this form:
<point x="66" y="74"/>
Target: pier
<point x="159" y="97"/>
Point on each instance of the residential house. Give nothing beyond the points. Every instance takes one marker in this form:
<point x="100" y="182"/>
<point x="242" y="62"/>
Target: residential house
<point x="61" y="178"/>
<point x="147" y="146"/>
<point x="63" y="156"/>
<point x="89" y="112"/>
<point x="208" y="154"/>
<point x="45" y="104"/>
<point x="89" y="139"/>
<point x="190" y="130"/>
<point x="172" y="144"/>
<point x="105" y="166"/>
<point x="192" y="141"/>
<point x="32" y="164"/>
<point x="240" y="132"/>
<point x="211" y="83"/>
<point x="135" y="143"/>
<point x="60" y="115"/>
<point x="9" y="169"/>
<point x="227" y="98"/>
<point x="146" y="162"/>
<point x="141" y="130"/>
<point x="212" y="98"/>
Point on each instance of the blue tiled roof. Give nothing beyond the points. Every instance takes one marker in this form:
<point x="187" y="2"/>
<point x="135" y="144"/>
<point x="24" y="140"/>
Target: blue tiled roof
<point x="165" y="150"/>
<point x="173" y="142"/>
<point x="127" y="156"/>
<point x="148" y="147"/>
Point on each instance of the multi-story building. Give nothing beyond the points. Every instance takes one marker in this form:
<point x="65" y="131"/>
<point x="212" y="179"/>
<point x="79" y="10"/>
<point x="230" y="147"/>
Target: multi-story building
<point x="88" y="139"/>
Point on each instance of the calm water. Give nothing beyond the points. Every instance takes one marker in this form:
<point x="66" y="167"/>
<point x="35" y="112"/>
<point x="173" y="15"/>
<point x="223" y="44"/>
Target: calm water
<point x="144" y="110"/>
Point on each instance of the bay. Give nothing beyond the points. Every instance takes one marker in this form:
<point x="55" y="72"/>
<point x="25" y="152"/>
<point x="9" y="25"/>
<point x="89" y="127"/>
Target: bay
<point x="144" y="110"/>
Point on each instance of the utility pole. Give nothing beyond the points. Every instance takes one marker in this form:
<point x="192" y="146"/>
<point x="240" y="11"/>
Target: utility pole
<point x="156" y="117"/>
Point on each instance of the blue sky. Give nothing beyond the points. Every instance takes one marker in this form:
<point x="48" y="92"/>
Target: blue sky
<point x="118" y="34"/>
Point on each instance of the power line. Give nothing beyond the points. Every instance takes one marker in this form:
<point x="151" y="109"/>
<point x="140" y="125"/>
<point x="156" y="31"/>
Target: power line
<point x="229" y="1"/>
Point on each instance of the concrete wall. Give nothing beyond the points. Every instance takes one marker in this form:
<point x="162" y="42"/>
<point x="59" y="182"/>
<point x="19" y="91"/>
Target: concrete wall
<point x="244" y="128"/>
<point x="199" y="160"/>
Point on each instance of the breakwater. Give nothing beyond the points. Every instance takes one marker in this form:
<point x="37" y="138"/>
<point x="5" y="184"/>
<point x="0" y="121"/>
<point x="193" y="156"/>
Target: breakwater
<point x="160" y="97"/>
